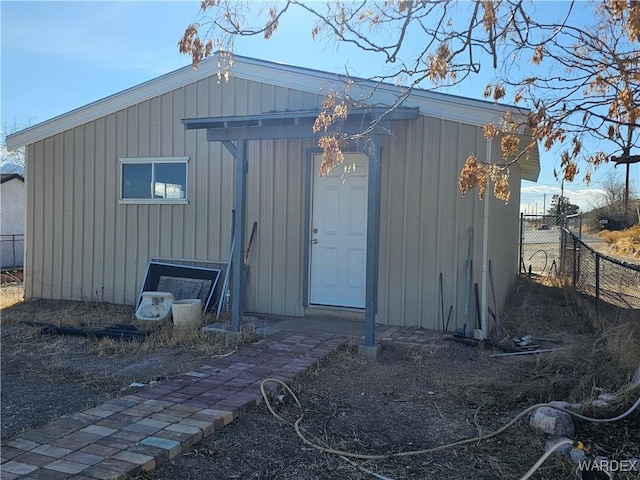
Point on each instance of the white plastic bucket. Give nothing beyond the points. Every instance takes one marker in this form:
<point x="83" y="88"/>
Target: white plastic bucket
<point x="186" y="313"/>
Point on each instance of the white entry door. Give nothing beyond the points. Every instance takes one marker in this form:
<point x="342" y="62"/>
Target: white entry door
<point x="339" y="234"/>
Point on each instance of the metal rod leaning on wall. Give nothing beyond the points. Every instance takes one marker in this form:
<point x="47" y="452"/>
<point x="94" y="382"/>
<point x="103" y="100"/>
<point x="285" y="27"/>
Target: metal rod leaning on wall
<point x="225" y="285"/>
<point x="493" y="295"/>
<point x="469" y="268"/>
<point x="442" y="302"/>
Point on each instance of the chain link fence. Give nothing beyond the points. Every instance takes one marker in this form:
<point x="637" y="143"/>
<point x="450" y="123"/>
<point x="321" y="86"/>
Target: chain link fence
<point x="11" y="252"/>
<point x="554" y="246"/>
<point x="573" y="223"/>
<point x="612" y="284"/>
<point x="540" y="244"/>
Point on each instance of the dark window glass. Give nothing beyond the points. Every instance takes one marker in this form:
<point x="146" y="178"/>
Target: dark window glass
<point x="136" y="180"/>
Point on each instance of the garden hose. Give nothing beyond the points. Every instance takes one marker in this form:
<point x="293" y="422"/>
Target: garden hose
<point x="318" y="444"/>
<point x="547" y="454"/>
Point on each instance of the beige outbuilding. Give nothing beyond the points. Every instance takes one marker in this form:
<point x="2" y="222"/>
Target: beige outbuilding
<point x="156" y="171"/>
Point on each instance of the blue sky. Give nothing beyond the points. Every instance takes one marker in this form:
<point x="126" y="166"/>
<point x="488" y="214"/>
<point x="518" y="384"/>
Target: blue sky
<point x="58" y="56"/>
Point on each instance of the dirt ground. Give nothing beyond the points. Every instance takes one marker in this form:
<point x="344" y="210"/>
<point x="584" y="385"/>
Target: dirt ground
<point x="45" y="376"/>
<point x="408" y="399"/>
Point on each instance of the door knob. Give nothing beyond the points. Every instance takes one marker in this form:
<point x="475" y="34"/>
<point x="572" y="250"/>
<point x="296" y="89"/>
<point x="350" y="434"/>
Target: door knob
<point x="314" y="241"/>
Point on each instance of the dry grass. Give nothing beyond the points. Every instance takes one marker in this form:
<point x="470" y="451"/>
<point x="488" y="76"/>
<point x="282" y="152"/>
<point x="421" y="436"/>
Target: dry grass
<point x="544" y="307"/>
<point x="630" y="236"/>
<point x="611" y="236"/>
<point x="413" y="397"/>
<point x="91" y="315"/>
<point x="10" y="295"/>
<point x="46" y="375"/>
<point x="596" y="356"/>
<point x="623" y="242"/>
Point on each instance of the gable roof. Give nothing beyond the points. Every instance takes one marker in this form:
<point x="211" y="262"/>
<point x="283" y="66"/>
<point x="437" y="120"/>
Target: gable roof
<point x="7" y="177"/>
<point x="435" y="104"/>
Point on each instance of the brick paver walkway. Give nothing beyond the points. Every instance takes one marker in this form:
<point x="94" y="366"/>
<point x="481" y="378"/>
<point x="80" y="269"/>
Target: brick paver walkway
<point x="125" y="436"/>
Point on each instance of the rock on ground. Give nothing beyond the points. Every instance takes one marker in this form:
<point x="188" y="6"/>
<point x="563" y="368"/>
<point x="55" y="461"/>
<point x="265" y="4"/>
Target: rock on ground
<point x="552" y="422"/>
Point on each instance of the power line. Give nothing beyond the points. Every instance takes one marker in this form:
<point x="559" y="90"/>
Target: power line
<point x="603" y="175"/>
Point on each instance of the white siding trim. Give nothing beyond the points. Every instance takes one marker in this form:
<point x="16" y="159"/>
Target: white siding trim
<point x="154" y="159"/>
<point x="151" y="201"/>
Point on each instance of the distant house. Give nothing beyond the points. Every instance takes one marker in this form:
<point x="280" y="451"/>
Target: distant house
<point x="13" y="212"/>
<point x="156" y="171"/>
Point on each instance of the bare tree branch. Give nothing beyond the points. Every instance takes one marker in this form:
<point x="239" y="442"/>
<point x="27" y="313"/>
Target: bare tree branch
<point x="583" y="83"/>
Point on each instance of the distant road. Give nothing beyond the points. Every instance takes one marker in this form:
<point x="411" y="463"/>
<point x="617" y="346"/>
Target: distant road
<point x="552" y="236"/>
<point x="591" y="239"/>
<point x="541" y="236"/>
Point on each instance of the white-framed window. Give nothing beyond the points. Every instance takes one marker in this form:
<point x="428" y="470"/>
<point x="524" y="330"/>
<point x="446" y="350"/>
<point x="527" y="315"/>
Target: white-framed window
<point x="154" y="180"/>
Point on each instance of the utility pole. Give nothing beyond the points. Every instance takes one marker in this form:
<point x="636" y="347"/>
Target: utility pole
<point x="626" y="159"/>
<point x="544" y="205"/>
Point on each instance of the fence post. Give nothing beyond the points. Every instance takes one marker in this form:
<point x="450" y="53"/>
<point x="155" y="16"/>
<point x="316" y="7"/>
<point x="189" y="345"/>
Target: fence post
<point x="597" y="282"/>
<point x="575" y="254"/>
<point x="563" y="254"/>
<point x="578" y="257"/>
<point x="521" y="243"/>
<point x="580" y="231"/>
<point x="13" y="244"/>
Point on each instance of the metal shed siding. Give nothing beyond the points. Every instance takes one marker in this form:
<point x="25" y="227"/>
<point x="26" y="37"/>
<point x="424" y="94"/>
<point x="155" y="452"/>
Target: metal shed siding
<point x="275" y="197"/>
<point x="504" y="236"/>
<point x="84" y="245"/>
<point x="425" y="222"/>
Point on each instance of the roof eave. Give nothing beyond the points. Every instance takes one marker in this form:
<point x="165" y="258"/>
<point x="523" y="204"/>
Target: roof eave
<point x="530" y="166"/>
<point x="437" y="104"/>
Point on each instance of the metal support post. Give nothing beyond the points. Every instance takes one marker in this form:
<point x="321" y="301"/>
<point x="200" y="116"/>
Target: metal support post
<point x="373" y="233"/>
<point x="237" y="301"/>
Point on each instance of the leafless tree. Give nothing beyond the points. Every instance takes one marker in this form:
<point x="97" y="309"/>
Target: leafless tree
<point x="613" y="189"/>
<point x="16" y="157"/>
<point x="613" y="204"/>
<point x="583" y="82"/>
